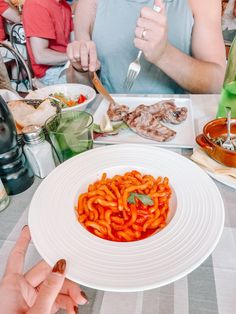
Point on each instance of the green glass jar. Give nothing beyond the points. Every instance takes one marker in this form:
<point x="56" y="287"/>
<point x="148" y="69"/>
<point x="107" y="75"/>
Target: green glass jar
<point x="228" y="92"/>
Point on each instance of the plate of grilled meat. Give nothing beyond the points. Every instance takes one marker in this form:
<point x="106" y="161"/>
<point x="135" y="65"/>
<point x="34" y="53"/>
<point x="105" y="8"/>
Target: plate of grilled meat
<point x="146" y="120"/>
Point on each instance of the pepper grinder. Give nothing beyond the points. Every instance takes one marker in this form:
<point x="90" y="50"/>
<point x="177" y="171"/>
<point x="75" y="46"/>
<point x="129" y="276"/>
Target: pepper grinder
<point x="15" y="172"/>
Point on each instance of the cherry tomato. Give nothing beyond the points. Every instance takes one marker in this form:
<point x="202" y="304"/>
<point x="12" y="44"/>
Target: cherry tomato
<point x="81" y="99"/>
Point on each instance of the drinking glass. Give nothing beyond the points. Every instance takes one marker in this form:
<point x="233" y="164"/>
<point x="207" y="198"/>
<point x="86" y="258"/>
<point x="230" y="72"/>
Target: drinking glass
<point x="70" y="133"/>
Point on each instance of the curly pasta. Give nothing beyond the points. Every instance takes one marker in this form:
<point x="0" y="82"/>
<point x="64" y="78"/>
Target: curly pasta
<point x="125" y="207"/>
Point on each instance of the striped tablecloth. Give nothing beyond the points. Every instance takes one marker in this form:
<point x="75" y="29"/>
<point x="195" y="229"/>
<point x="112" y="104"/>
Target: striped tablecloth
<point x="211" y="288"/>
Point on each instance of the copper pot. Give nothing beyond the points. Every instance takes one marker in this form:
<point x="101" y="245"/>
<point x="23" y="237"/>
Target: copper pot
<point x="214" y="129"/>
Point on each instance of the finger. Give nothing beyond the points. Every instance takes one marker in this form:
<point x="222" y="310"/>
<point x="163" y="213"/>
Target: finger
<point x="84" y="56"/>
<point x="50" y="289"/>
<point x="139" y="32"/>
<point x="16" y="259"/>
<point x="37" y="274"/>
<point x="73" y="290"/>
<point x="92" y="57"/>
<point x="66" y="303"/>
<point x="140" y="44"/>
<point x="69" y="51"/>
<point x="73" y="51"/>
<point x="153" y="14"/>
<point x="149" y="35"/>
<point x="98" y="65"/>
<point x="159" y="5"/>
<point x="151" y="24"/>
<point x="76" y="51"/>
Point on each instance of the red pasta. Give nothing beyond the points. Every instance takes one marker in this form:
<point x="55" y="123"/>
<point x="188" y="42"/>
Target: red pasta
<point x="125" y="207"/>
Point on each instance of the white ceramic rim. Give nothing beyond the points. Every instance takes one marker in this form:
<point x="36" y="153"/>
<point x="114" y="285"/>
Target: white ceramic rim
<point x="178" y="249"/>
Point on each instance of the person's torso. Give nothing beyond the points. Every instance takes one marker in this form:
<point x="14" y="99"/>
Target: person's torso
<point x="60" y="20"/>
<point x="113" y="33"/>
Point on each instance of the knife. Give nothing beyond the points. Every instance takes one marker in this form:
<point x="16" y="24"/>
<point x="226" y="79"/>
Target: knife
<point x="100" y="88"/>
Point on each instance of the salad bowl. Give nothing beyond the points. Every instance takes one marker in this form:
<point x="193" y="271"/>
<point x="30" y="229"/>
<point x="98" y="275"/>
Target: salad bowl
<point x="68" y="96"/>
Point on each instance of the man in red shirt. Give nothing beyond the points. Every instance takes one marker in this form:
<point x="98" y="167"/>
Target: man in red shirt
<point x="9" y="13"/>
<point x="47" y="25"/>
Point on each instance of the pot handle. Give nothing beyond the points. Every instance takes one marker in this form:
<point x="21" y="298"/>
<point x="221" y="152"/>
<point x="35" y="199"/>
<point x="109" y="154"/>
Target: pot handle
<point x="205" y="145"/>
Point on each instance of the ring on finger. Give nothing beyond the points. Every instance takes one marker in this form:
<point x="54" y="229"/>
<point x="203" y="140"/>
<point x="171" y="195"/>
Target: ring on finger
<point x="144" y="33"/>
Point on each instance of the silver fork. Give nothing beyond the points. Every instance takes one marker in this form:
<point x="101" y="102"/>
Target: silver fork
<point x="228" y="142"/>
<point x="135" y="67"/>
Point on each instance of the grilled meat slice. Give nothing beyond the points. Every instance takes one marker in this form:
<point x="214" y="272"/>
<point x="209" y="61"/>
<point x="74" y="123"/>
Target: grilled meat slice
<point x="116" y="112"/>
<point x="146" y="125"/>
<point x="175" y="116"/>
<point x="166" y="111"/>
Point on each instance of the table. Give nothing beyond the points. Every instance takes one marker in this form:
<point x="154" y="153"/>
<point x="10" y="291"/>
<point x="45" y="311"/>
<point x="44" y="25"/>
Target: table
<point x="210" y="289"/>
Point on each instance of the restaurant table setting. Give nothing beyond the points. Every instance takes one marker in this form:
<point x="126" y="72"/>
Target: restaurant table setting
<point x="186" y="266"/>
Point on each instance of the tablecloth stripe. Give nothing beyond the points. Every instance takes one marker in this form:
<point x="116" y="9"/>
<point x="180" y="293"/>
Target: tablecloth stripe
<point x="203" y="289"/>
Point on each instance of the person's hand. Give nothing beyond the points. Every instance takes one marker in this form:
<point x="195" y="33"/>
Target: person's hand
<point x="42" y="290"/>
<point x="83" y="55"/>
<point x="151" y="32"/>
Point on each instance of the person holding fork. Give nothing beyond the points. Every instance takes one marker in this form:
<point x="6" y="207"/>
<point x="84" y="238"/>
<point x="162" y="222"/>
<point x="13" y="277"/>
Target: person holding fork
<point x="182" y="45"/>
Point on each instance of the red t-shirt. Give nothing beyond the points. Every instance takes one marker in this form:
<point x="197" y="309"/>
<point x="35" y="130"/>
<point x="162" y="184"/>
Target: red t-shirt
<point x="3" y="7"/>
<point x="48" y="19"/>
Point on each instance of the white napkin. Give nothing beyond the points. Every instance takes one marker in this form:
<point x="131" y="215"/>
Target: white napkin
<point x="8" y="95"/>
<point x="200" y="157"/>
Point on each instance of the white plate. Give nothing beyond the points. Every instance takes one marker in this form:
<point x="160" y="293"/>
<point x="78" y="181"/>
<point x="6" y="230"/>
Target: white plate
<point x="69" y="90"/>
<point x="184" y="138"/>
<point x="179" y="248"/>
<point x="227" y="180"/>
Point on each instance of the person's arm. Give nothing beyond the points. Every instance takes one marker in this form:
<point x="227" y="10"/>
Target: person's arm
<point x="82" y="52"/>
<point x="85" y="13"/>
<point x="203" y="72"/>
<point x="12" y="15"/>
<point x="44" y="55"/>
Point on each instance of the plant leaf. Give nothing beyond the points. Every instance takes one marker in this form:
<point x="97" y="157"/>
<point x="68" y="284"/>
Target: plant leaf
<point x="145" y="199"/>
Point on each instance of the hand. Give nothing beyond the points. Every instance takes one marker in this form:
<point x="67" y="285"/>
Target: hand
<point x="41" y="290"/>
<point x="83" y="55"/>
<point x="151" y="33"/>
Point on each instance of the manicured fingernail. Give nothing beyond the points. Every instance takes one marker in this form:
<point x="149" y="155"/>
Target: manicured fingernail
<point x="60" y="266"/>
<point x="84" y="295"/>
<point x="76" y="309"/>
<point x="24" y="227"/>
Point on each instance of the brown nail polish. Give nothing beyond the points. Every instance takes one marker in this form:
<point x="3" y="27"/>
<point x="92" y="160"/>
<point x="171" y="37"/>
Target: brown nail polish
<point x="76" y="309"/>
<point x="84" y="295"/>
<point x="60" y="266"/>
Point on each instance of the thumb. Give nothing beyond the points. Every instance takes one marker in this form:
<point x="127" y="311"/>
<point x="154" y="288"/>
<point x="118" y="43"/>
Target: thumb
<point x="158" y="6"/>
<point x="49" y="289"/>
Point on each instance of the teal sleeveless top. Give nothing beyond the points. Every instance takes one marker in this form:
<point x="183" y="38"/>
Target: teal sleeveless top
<point x="113" y="33"/>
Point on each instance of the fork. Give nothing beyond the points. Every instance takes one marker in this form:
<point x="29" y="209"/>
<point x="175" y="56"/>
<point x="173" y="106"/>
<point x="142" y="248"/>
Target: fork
<point x="135" y="66"/>
<point x="228" y="142"/>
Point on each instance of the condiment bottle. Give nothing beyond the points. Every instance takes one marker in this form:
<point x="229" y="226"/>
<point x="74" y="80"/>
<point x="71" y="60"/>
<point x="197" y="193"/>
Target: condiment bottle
<point x="38" y="151"/>
<point x="15" y="172"/>
<point x="4" y="198"/>
<point x="228" y="92"/>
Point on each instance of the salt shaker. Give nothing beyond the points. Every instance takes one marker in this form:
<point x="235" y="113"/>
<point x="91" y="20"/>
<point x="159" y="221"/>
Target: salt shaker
<point x="38" y="151"/>
<point x="4" y="198"/>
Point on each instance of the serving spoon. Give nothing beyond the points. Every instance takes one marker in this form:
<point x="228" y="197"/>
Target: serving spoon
<point x="228" y="142"/>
